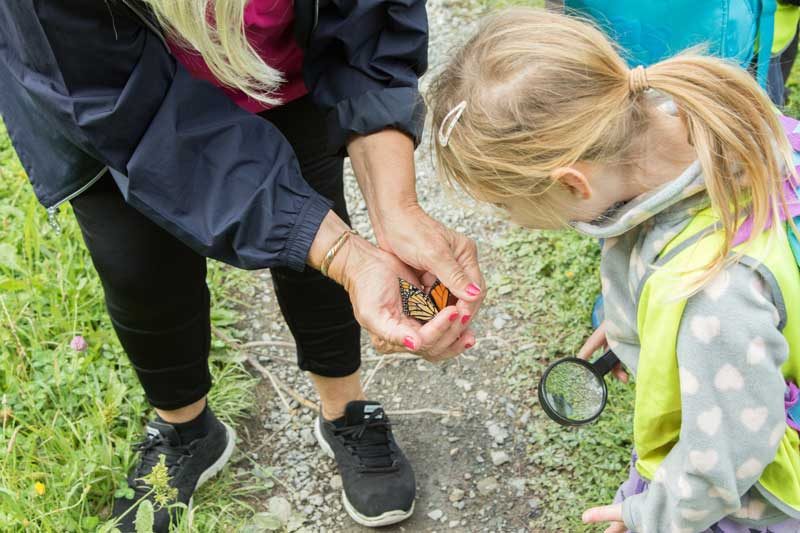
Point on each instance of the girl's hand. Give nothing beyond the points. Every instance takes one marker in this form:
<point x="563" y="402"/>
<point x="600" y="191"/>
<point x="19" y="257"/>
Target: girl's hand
<point x="606" y="513"/>
<point x="596" y="341"/>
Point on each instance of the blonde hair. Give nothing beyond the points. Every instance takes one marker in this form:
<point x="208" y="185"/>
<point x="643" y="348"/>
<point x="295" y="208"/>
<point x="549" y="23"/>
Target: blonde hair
<point x="545" y="91"/>
<point x="215" y="29"/>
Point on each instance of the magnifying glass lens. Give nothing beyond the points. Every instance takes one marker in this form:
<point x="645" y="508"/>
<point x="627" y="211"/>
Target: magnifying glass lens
<point x="574" y="392"/>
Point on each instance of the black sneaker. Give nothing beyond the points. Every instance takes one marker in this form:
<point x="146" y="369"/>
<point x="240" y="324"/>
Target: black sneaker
<point x="189" y="466"/>
<point x="379" y="485"/>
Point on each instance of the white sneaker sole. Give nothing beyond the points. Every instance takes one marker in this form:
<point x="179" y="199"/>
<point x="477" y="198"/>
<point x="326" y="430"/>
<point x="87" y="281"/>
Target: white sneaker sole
<point x="219" y="464"/>
<point x="386" y="519"/>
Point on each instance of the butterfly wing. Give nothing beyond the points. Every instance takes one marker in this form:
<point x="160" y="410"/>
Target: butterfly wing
<point x="439" y="294"/>
<point x="416" y="303"/>
<point x="421" y="307"/>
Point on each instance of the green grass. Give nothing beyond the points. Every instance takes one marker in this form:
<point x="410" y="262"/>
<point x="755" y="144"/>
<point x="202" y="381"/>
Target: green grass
<point x="69" y="418"/>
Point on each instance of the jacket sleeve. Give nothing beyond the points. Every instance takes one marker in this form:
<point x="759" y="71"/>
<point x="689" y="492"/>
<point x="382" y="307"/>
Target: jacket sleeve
<point x="363" y="65"/>
<point x="221" y="180"/>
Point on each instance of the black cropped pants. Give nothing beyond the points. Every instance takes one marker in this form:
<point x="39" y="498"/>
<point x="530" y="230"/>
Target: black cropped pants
<point x="155" y="286"/>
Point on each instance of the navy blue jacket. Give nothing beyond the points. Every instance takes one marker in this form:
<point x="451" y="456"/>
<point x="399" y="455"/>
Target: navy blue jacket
<point x="88" y="86"/>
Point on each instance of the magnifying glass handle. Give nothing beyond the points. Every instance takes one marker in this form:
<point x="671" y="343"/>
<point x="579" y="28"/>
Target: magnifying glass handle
<point x="608" y="361"/>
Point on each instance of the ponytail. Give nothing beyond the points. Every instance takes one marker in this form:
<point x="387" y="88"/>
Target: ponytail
<point x="738" y="138"/>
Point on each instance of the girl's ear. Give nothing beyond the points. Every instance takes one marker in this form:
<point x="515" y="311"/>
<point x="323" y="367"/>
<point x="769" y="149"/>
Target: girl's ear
<point x="574" y="180"/>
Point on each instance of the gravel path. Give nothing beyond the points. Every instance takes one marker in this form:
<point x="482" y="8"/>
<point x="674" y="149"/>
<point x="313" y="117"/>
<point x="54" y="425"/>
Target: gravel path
<point x="471" y="469"/>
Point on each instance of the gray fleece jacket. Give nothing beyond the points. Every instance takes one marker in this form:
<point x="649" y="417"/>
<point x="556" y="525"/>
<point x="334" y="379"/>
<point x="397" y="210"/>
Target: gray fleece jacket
<point x="729" y="331"/>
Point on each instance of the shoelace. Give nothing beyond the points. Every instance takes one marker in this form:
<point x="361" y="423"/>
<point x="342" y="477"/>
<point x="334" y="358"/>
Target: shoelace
<point x="152" y="448"/>
<point x="369" y="442"/>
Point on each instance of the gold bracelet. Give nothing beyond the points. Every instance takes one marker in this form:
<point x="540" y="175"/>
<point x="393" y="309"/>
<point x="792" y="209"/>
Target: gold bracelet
<point x="326" y="263"/>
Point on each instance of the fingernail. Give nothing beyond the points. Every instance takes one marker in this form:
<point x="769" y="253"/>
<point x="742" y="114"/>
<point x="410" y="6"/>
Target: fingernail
<point x="465" y="319"/>
<point x="473" y="290"/>
<point x="469" y="345"/>
<point x="409" y="342"/>
<point x="453" y="317"/>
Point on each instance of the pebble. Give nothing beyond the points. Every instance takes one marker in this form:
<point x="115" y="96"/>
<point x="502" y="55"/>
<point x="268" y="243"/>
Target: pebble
<point x="464" y="384"/>
<point x="499" y="323"/>
<point x="454" y="524"/>
<point x="336" y="482"/>
<point x="316" y="500"/>
<point x="453" y="452"/>
<point x="436" y="514"/>
<point x="518" y="484"/>
<point x="500" y="458"/>
<point x="308" y="437"/>
<point x="456" y="495"/>
<point x="487" y="485"/>
<point x="498" y="433"/>
<point x="467" y="476"/>
<point x="482" y="395"/>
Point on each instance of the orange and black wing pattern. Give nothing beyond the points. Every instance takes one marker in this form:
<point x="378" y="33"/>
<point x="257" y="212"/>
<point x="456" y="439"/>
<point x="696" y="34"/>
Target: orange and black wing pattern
<point x="421" y="306"/>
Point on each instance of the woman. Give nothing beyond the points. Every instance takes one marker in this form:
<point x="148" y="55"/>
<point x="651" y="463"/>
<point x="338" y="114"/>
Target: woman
<point x="129" y="111"/>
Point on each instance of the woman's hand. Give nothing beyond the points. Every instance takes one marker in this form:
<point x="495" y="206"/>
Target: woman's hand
<point x="370" y="276"/>
<point x="596" y="341"/>
<point x="384" y="166"/>
<point x="606" y="513"/>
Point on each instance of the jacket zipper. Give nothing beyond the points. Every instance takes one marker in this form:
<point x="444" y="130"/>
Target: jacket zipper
<point x="52" y="211"/>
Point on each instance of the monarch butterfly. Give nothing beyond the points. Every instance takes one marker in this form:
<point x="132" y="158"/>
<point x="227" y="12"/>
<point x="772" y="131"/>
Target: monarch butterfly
<point x="421" y="305"/>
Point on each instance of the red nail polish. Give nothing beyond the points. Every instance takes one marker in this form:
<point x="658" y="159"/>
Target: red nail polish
<point x="453" y="317"/>
<point x="473" y="290"/>
<point x="465" y="319"/>
<point x="409" y="342"/>
<point x="469" y="345"/>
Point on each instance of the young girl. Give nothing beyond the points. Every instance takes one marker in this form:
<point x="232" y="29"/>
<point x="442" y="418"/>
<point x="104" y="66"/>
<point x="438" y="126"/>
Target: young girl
<point x="683" y="169"/>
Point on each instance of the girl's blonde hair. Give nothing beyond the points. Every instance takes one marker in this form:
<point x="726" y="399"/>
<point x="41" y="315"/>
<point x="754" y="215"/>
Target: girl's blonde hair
<point x="215" y="29"/>
<point x="544" y="91"/>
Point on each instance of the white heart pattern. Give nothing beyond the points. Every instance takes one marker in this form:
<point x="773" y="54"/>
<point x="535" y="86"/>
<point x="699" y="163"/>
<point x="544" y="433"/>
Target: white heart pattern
<point x="689" y="383"/>
<point x="717" y="287"/>
<point x="705" y="328"/>
<point x="750" y="468"/>
<point x="684" y="488"/>
<point x="756" y="351"/>
<point x="694" y="515"/>
<point x="754" y="418"/>
<point x="703" y="461"/>
<point x="777" y="434"/>
<point x="728" y="378"/>
<point x="724" y="494"/>
<point x="708" y="421"/>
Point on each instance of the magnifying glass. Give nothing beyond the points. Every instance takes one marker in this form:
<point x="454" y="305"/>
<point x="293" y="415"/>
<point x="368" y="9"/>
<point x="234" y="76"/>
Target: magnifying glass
<point x="573" y="392"/>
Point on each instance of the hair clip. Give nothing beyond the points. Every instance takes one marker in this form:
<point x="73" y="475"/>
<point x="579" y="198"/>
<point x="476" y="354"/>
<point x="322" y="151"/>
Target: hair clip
<point x="449" y="122"/>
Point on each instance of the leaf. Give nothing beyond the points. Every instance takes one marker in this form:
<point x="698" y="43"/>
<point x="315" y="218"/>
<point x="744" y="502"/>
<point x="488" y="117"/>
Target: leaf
<point x="281" y="508"/>
<point x="145" y="517"/>
<point x="8" y="256"/>
<point x="267" y="522"/>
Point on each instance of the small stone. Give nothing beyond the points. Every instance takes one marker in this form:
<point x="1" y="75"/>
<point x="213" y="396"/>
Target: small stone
<point x="482" y="395"/>
<point x="498" y="433"/>
<point x="464" y="384"/>
<point x="456" y="495"/>
<point x="518" y="484"/>
<point x="436" y="514"/>
<point x="316" y="500"/>
<point x="500" y="458"/>
<point x="467" y="476"/>
<point x="453" y="452"/>
<point x="479" y="458"/>
<point x="336" y="482"/>
<point x="308" y="437"/>
<point x="454" y="524"/>
<point x="499" y="323"/>
<point x="487" y="485"/>
<point x="459" y="505"/>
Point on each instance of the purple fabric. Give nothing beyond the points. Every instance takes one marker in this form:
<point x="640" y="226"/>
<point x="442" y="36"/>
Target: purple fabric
<point x="790" y="127"/>
<point x="790" y="398"/>
<point x="636" y="484"/>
